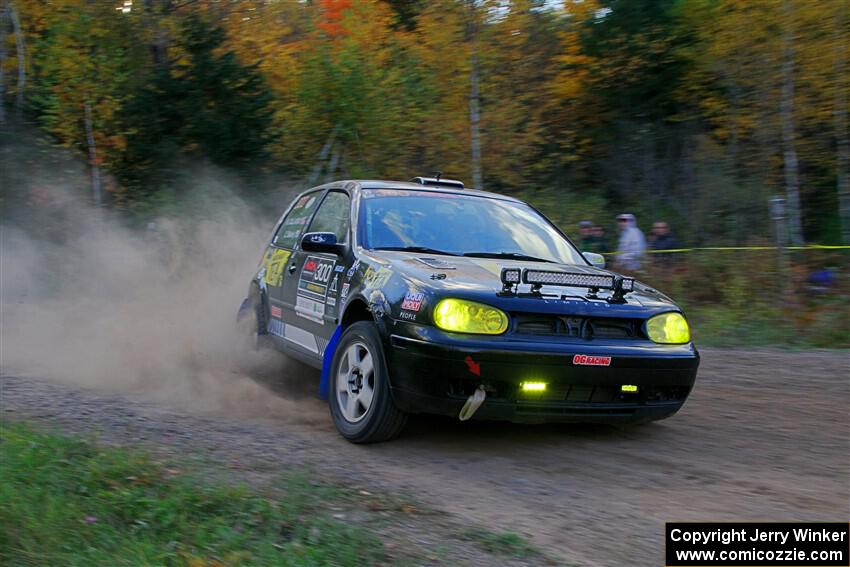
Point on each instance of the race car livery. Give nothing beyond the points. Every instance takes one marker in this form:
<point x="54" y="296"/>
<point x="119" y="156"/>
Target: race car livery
<point x="431" y="298"/>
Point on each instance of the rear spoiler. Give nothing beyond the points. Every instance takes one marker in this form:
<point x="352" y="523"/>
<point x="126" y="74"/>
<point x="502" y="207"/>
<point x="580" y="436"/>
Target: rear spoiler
<point x="511" y="278"/>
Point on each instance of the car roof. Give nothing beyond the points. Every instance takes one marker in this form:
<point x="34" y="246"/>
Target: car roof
<point x="408" y="186"/>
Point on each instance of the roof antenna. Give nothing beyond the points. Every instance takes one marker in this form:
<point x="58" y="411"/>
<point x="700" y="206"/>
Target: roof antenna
<point x="437" y="175"/>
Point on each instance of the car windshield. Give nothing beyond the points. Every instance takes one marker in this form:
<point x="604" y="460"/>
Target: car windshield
<point x="462" y="225"/>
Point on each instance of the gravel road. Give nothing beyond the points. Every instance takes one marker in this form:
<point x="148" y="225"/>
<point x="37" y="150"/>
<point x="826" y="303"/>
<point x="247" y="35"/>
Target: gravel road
<point x="765" y="436"/>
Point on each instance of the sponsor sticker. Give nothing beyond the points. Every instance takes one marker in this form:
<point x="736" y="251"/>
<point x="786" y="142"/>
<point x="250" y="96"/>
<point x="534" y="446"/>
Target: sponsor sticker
<point x="339" y="268"/>
<point x="332" y="290"/>
<point x="409" y="315"/>
<point x="376" y="278"/>
<point x="352" y="269"/>
<point x="412" y="301"/>
<point x="276" y="327"/>
<point x="295" y="221"/>
<point x="313" y="288"/>
<point x="274" y="262"/>
<point x="309" y="309"/>
<point x="589" y="360"/>
<point x="276" y="312"/>
<point x="315" y="276"/>
<point x="344" y="292"/>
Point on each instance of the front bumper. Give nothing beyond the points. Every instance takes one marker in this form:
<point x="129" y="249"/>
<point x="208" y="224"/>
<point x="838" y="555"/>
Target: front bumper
<point x="437" y="373"/>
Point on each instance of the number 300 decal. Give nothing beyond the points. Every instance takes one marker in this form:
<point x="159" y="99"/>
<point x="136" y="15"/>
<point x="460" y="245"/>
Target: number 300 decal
<point x="323" y="273"/>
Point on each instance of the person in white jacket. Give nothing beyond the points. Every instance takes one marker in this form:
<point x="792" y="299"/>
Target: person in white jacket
<point x="632" y="243"/>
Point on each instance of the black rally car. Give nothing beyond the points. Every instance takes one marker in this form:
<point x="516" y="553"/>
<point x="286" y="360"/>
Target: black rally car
<point x="427" y="297"/>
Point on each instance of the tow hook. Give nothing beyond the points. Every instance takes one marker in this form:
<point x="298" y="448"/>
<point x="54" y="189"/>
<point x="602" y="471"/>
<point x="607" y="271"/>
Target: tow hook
<point x="473" y="403"/>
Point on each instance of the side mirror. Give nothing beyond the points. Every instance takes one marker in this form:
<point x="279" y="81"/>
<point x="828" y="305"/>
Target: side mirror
<point x="597" y="260"/>
<point x="321" y="242"/>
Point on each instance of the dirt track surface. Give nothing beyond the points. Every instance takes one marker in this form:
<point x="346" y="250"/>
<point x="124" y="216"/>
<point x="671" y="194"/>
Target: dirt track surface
<point x="765" y="436"/>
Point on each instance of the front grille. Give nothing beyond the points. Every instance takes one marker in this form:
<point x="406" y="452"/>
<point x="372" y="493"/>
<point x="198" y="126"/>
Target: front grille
<point x="573" y="393"/>
<point x="577" y="327"/>
<point x="549" y="409"/>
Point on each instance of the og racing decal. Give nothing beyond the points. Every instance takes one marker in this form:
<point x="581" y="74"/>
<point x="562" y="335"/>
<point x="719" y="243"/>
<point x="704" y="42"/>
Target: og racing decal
<point x="313" y="288"/>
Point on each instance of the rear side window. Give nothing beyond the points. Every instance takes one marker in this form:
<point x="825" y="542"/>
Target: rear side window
<point x="333" y="216"/>
<point x="291" y="227"/>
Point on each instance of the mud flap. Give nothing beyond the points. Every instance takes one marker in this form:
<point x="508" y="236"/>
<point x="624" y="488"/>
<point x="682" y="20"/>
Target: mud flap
<point x="327" y="359"/>
<point x="246" y="306"/>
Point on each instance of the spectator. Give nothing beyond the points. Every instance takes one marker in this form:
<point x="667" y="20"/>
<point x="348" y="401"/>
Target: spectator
<point x="588" y="241"/>
<point x="592" y="240"/>
<point x="632" y="243"/>
<point x="601" y="240"/>
<point x="661" y="239"/>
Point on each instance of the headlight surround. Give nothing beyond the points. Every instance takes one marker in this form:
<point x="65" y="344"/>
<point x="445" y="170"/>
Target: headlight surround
<point x="668" y="328"/>
<point x="463" y="316"/>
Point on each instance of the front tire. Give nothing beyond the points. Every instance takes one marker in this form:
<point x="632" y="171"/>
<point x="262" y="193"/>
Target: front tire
<point x="361" y="405"/>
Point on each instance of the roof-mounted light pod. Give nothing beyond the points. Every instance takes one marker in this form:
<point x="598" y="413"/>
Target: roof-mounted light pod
<point x="438" y="181"/>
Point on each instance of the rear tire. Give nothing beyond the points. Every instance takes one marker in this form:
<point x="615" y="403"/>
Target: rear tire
<point x="249" y="329"/>
<point x="360" y="401"/>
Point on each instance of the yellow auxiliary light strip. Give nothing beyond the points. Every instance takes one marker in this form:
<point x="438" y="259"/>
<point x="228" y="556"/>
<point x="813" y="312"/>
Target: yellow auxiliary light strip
<point x="629" y="388"/>
<point x="533" y="386"/>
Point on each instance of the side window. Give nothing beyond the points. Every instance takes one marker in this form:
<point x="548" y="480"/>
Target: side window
<point x="333" y="216"/>
<point x="290" y="228"/>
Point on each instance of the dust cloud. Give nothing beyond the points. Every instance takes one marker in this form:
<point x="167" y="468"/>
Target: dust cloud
<point x="149" y="311"/>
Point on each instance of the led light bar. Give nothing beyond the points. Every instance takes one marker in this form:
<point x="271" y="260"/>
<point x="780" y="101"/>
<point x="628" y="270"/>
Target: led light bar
<point x="542" y="277"/>
<point x="511" y="275"/>
<point x="533" y="386"/>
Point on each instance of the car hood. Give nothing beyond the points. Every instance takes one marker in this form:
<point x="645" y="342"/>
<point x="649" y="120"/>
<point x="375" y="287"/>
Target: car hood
<point x="481" y="277"/>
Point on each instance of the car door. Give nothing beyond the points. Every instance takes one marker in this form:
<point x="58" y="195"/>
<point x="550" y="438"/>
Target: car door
<point x="278" y="260"/>
<point x="310" y="296"/>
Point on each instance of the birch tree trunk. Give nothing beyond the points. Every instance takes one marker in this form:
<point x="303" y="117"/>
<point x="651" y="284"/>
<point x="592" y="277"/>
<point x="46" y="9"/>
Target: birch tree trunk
<point x="332" y="165"/>
<point x="786" y="111"/>
<point x="95" y="167"/>
<point x="3" y="55"/>
<point x="841" y="134"/>
<point x="21" y="54"/>
<point x="323" y="156"/>
<point x="474" y="96"/>
<point x="475" y="122"/>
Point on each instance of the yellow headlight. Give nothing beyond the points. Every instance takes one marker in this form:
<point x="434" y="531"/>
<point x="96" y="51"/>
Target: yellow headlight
<point x="464" y="316"/>
<point x="668" y="328"/>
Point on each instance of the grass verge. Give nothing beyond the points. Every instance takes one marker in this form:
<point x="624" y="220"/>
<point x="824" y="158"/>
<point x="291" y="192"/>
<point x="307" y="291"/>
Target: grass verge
<point x="68" y="502"/>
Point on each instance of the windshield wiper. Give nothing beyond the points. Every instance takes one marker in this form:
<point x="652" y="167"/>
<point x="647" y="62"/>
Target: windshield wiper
<point x="510" y="255"/>
<point x="423" y="249"/>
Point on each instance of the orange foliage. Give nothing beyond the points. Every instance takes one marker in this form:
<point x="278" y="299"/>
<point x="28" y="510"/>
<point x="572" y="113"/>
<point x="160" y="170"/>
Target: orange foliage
<point x="332" y="16"/>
